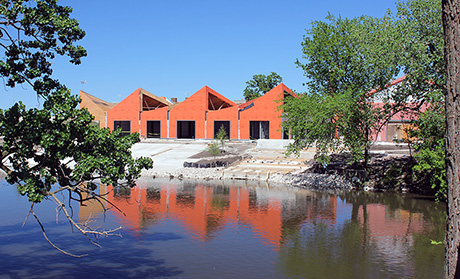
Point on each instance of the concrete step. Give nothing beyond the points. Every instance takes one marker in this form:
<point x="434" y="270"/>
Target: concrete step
<point x="261" y="169"/>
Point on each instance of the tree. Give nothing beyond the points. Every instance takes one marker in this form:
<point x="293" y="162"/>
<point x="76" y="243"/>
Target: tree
<point x="54" y="150"/>
<point x="451" y="23"/>
<point x="221" y="136"/>
<point x="421" y="52"/>
<point x="429" y="143"/>
<point x="261" y="84"/>
<point x="346" y="59"/>
<point x="33" y="33"/>
<point x="350" y="63"/>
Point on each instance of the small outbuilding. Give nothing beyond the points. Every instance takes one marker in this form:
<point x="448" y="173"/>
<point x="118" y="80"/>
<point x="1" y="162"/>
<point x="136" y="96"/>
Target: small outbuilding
<point x="97" y="107"/>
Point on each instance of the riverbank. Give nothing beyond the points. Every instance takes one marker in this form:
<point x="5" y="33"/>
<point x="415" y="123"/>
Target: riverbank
<point x="245" y="161"/>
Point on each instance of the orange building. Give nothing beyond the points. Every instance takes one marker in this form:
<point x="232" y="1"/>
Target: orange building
<point x="200" y="116"/>
<point x="141" y="112"/>
<point x="261" y="118"/>
<point x="189" y="119"/>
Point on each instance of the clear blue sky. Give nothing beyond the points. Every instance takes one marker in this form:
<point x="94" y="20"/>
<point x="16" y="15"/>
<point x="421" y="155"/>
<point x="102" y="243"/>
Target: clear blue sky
<point x="173" y="48"/>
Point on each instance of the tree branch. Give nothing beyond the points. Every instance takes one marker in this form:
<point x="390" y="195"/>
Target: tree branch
<point x="49" y="241"/>
<point x="85" y="232"/>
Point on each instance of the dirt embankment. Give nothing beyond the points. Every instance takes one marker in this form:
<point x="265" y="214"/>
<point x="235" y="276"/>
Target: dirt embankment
<point x="389" y="170"/>
<point x="384" y="172"/>
<point x="230" y="153"/>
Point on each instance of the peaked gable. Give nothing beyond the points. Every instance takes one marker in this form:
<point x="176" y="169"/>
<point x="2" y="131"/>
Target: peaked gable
<point x="216" y="101"/>
<point x="143" y="100"/>
<point x="280" y="88"/>
<point x="277" y="93"/>
<point x="207" y="99"/>
<point x="98" y="103"/>
<point x="150" y="101"/>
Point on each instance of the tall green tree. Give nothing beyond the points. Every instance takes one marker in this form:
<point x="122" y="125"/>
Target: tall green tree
<point x="343" y="57"/>
<point x="350" y="63"/>
<point x="421" y="51"/>
<point x="261" y="84"/>
<point x="55" y="150"/>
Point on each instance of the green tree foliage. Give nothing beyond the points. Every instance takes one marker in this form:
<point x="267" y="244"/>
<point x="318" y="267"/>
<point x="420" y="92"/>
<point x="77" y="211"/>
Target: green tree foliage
<point x="420" y="48"/>
<point x="32" y="34"/>
<point x="422" y="56"/>
<point x="350" y="62"/>
<point x="261" y="84"/>
<point x="214" y="148"/>
<point x="221" y="136"/>
<point x="57" y="145"/>
<point x="429" y="144"/>
<point x="55" y="149"/>
<point x="343" y="57"/>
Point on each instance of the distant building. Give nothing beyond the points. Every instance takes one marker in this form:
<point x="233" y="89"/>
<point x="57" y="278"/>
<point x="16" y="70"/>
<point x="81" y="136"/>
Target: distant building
<point x="97" y="107"/>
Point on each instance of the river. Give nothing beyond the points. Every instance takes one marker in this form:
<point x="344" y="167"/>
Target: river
<point x="196" y="230"/>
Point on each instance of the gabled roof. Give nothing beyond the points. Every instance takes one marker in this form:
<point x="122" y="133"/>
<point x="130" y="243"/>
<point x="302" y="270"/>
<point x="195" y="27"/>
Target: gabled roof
<point x="393" y="82"/>
<point x="216" y="101"/>
<point x="103" y="105"/>
<point x="208" y="99"/>
<point x="150" y="101"/>
<point x="280" y="88"/>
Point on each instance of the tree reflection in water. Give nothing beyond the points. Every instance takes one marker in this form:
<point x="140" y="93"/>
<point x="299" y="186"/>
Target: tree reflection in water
<point x="189" y="230"/>
<point x="349" y="234"/>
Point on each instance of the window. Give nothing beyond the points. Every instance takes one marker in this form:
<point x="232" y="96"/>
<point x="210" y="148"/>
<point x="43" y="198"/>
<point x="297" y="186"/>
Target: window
<point x="259" y="130"/>
<point x="125" y="127"/>
<point x="153" y="129"/>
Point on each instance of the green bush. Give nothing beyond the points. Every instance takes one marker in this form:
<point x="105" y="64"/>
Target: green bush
<point x="221" y="136"/>
<point x="214" y="148"/>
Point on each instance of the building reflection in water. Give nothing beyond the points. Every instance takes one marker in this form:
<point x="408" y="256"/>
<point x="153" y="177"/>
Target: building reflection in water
<point x="274" y="215"/>
<point x="312" y="232"/>
<point x="203" y="210"/>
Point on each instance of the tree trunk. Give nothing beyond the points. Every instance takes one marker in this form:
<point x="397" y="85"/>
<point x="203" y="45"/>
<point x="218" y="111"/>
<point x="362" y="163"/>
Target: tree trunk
<point x="451" y="22"/>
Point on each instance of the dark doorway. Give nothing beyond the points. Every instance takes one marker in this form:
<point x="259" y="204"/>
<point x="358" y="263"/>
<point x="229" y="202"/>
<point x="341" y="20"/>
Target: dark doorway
<point x="185" y="129"/>
<point x="125" y="127"/>
<point x="219" y="124"/>
<point x="259" y="130"/>
<point x="154" y="129"/>
<point x="285" y="134"/>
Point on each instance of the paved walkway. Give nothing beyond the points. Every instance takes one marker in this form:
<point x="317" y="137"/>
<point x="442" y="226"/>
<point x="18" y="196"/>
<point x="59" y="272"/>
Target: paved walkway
<point x="266" y="162"/>
<point x="168" y="156"/>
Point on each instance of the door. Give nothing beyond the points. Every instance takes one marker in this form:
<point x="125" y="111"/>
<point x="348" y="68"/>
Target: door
<point x="222" y="125"/>
<point x="259" y="129"/>
<point x="185" y="129"/>
<point x="153" y="129"/>
<point x="125" y="127"/>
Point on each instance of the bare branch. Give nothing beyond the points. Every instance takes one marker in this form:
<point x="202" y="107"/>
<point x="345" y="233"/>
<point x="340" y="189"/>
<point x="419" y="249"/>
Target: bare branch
<point x="52" y="244"/>
<point x="27" y="217"/>
<point x="87" y="231"/>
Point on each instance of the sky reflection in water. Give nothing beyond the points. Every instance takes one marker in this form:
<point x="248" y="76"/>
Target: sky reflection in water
<point x="185" y="230"/>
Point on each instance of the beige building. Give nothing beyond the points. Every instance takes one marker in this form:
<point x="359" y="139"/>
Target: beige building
<point x="97" y="107"/>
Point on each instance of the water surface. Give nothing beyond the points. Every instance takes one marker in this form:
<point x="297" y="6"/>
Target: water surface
<point x="189" y="230"/>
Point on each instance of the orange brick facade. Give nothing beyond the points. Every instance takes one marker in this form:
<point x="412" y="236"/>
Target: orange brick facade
<point x="199" y="116"/>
